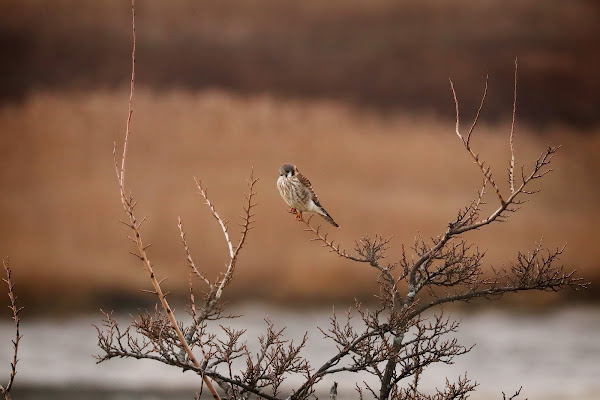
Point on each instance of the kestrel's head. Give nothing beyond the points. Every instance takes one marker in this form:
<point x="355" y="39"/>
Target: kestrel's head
<point x="288" y="170"/>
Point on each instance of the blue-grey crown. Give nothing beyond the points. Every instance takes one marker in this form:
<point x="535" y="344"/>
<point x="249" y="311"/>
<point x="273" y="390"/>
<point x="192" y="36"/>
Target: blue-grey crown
<point x="285" y="169"/>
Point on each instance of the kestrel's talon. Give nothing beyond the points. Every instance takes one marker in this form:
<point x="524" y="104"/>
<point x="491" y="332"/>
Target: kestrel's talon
<point x="298" y="193"/>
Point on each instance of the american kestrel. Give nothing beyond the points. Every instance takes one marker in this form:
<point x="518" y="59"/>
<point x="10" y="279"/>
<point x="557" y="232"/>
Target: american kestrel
<point x="298" y="193"/>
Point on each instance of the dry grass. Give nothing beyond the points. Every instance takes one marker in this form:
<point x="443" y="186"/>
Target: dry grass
<point x="391" y="174"/>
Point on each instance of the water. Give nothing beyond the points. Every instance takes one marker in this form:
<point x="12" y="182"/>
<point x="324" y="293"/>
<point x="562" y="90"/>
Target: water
<point x="552" y="355"/>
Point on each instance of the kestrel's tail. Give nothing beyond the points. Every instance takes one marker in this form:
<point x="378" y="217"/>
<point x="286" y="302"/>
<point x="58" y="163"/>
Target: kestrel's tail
<point x="326" y="215"/>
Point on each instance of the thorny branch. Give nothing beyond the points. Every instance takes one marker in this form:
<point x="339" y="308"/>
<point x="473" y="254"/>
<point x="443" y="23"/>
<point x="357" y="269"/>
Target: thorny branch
<point x="211" y="308"/>
<point x="511" y="169"/>
<point x="5" y="390"/>
<point x="449" y="269"/>
<point x="514" y="396"/>
<point x="247" y="221"/>
<point x="134" y="224"/>
<point x="151" y="337"/>
<point x="163" y="338"/>
<point x="368" y="250"/>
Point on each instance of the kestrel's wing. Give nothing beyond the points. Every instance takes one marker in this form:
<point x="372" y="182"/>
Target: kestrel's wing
<point x="306" y="183"/>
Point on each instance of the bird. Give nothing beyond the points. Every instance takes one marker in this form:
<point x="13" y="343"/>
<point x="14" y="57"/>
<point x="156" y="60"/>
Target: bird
<point x="298" y="193"/>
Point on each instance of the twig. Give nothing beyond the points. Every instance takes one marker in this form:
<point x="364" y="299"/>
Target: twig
<point x="511" y="171"/>
<point x="216" y="289"/>
<point x="15" y="316"/>
<point x="330" y="243"/>
<point x="515" y="395"/>
<point x="121" y="175"/>
<point x="247" y="222"/>
<point x="189" y="256"/>
<point x="487" y="173"/>
<point x="129" y="205"/>
<point x="215" y="214"/>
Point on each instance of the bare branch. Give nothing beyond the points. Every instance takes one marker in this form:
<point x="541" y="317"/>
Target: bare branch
<point x="247" y="221"/>
<point x="478" y="111"/>
<point x="121" y="172"/>
<point x="189" y="256"/>
<point x="15" y="316"/>
<point x="330" y="244"/>
<point x="449" y="269"/>
<point x="487" y="173"/>
<point x="514" y="396"/>
<point x="533" y="271"/>
<point x="215" y="214"/>
<point x="129" y="205"/>
<point x="511" y="170"/>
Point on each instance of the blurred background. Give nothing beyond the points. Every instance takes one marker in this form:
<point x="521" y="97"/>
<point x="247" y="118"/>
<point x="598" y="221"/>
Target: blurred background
<point x="356" y="94"/>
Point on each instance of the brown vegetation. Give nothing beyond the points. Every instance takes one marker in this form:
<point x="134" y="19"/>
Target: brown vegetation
<point x="395" y="174"/>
